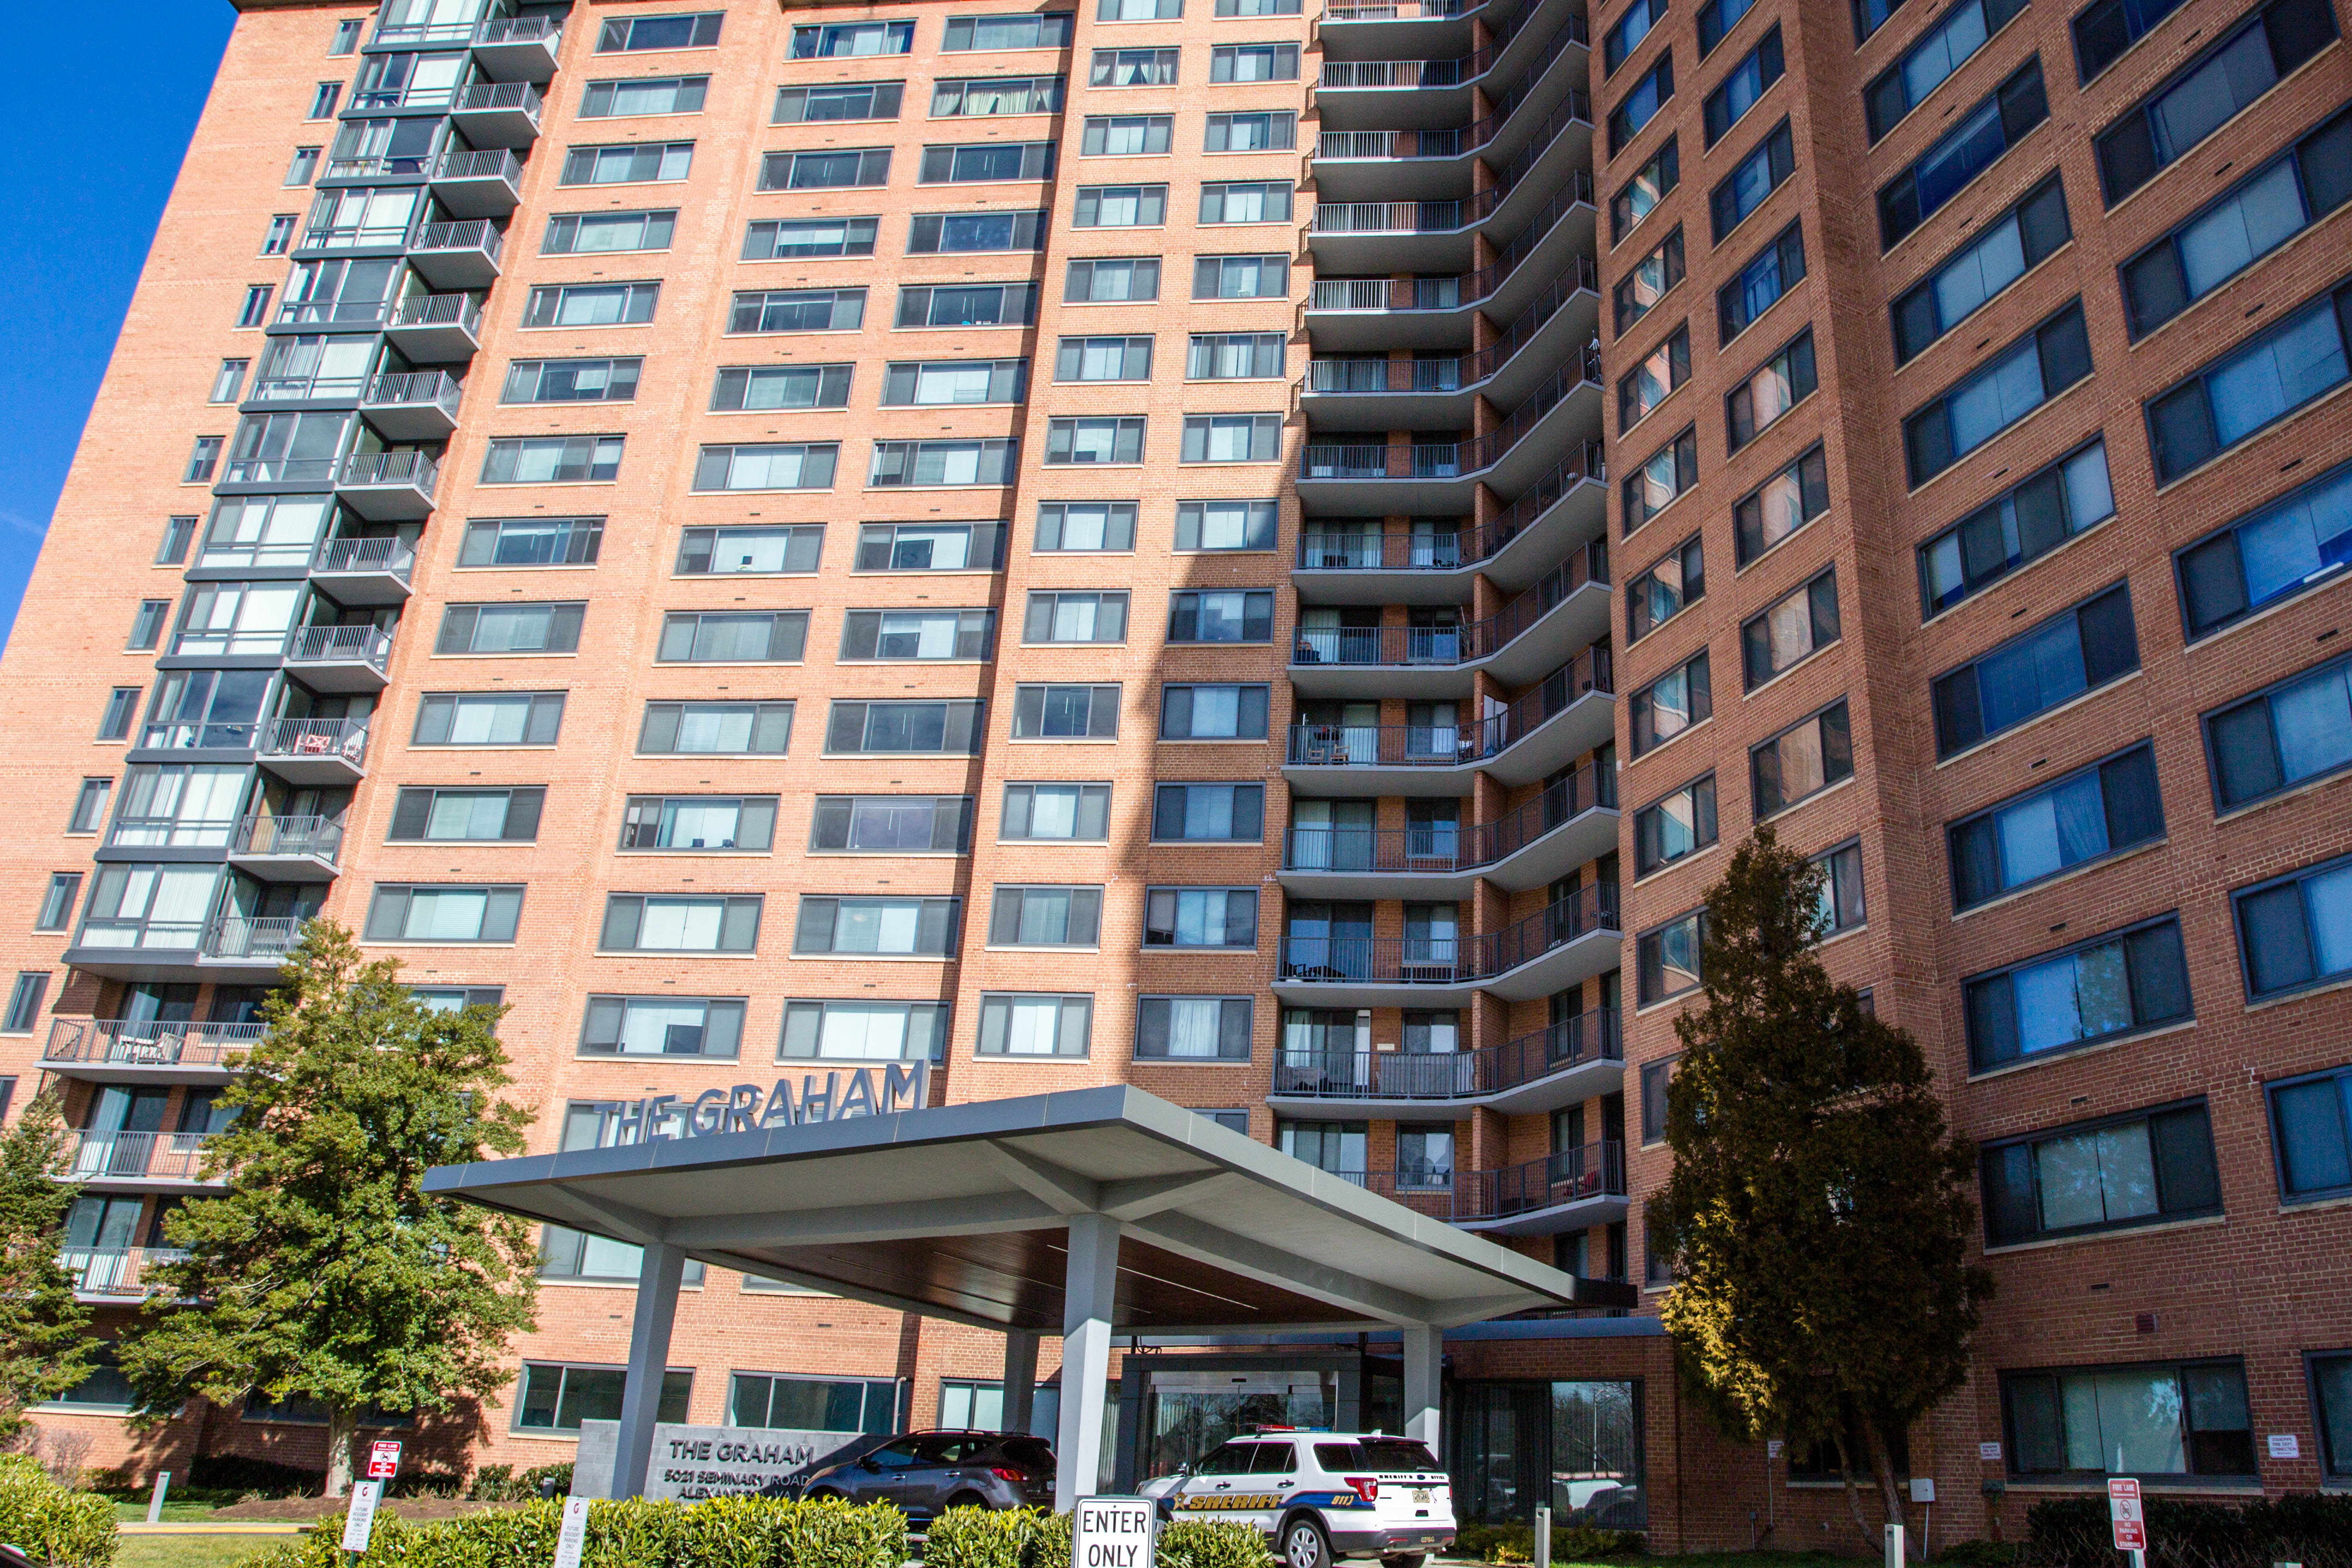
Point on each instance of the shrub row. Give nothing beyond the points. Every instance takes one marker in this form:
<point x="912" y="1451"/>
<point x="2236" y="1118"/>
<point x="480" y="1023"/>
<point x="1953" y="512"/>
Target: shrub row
<point x="1031" y="1538"/>
<point x="50" y="1524"/>
<point x="1515" y="1543"/>
<point x="725" y="1533"/>
<point x="2309" y="1528"/>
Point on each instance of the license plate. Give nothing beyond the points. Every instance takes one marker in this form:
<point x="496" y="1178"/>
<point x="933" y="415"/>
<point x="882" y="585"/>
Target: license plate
<point x="1421" y="1494"/>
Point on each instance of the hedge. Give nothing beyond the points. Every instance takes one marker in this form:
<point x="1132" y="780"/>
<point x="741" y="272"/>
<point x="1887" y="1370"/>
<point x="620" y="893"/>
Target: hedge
<point x="1515" y="1543"/>
<point x="50" y="1524"/>
<point x="1031" y="1538"/>
<point x="2309" y="1528"/>
<point x="724" y="1532"/>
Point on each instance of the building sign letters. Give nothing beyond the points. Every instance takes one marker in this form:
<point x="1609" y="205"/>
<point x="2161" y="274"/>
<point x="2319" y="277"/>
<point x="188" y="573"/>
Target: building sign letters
<point x="834" y="1095"/>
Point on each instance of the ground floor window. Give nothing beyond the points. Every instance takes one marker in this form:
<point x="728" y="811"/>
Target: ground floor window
<point x="105" y="1390"/>
<point x="2331" y="1398"/>
<point x="1576" y="1446"/>
<point x="1188" y="1413"/>
<point x="556" y="1398"/>
<point x="2168" y="1418"/>
<point x="813" y="1403"/>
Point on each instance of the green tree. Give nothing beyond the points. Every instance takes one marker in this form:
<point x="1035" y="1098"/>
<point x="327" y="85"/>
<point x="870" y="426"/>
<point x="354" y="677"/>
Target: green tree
<point x="327" y="1273"/>
<point x="1819" y="1212"/>
<point x="44" y="1345"/>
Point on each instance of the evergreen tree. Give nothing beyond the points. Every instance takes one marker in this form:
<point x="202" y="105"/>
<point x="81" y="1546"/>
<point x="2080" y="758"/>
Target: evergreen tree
<point x="1818" y="1212"/>
<point x="326" y="1274"/>
<point x="44" y="1345"/>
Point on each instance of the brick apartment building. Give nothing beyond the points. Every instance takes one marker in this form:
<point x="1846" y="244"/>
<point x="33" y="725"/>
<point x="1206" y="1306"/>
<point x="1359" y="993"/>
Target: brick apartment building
<point x="476" y="603"/>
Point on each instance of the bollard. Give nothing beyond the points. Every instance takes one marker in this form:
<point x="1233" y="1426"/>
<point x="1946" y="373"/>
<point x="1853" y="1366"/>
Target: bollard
<point x="155" y="1502"/>
<point x="1894" y="1546"/>
<point x="1543" y="1536"/>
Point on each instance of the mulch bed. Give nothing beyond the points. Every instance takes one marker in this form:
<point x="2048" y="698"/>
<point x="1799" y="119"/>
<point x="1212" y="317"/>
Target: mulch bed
<point x="415" y="1509"/>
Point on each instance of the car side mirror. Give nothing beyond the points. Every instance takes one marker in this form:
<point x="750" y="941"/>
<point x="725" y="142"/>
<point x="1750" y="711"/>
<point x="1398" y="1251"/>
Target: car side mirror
<point x="867" y="1464"/>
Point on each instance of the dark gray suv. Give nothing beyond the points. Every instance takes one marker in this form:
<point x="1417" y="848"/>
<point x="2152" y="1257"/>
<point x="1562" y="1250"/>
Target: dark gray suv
<point x="928" y="1472"/>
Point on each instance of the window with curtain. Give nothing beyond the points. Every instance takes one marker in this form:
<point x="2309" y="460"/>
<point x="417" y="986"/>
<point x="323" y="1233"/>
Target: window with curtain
<point x="2107" y="988"/>
<point x="2296" y="933"/>
<point x="2075" y="651"/>
<point x="1192" y="1029"/>
<point x="2016" y="528"/>
<point x="2098" y="811"/>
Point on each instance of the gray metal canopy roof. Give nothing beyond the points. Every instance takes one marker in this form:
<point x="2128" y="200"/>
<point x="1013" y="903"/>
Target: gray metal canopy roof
<point x="962" y="1212"/>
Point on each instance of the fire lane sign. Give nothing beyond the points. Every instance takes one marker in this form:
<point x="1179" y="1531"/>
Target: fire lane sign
<point x="2125" y="1514"/>
<point x="1114" y="1532"/>
<point x="383" y="1460"/>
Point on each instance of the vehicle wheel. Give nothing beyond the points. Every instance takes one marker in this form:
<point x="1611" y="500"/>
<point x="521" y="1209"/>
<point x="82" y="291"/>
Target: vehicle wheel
<point x="1303" y="1545"/>
<point x="1406" y="1560"/>
<point x="967" y="1499"/>
<point x="829" y="1494"/>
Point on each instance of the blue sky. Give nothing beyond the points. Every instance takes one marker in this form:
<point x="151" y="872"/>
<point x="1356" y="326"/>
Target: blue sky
<point x="94" y="149"/>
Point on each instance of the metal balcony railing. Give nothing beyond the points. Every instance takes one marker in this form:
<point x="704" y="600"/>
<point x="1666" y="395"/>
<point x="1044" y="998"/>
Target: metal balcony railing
<point x="1411" y="294"/>
<point x="1451" y="959"/>
<point x="1335" y="1074"/>
<point x="1345" y="375"/>
<point x="278" y="470"/>
<point x="462" y="234"/>
<point x="354" y="236"/>
<point x="297" y="388"/>
<point x="345" y="738"/>
<point x="1450" y="745"/>
<point x="153" y="1156"/>
<point x="98" y="1042"/>
<point x="1465" y="69"/>
<point x="406" y="98"/>
<point x="1381" y="460"/>
<point x="358" y="315"/>
<point x="1582" y="278"/>
<point x="400" y="466"/>
<point x="412" y="33"/>
<point x="1340" y="549"/>
<point x="310" y="834"/>
<point x="1385" y="294"/>
<point x="485" y="97"/>
<point x="386" y="554"/>
<point x="1462" y="642"/>
<point x="1385" y="217"/>
<point x="405" y="388"/>
<point x="253" y="936"/>
<point x="1447" y="848"/>
<point x="366" y="643"/>
<point x="1344" y="74"/>
<point x="1388" y="144"/>
<point x="1395" y="10"/>
<point x="439" y="311"/>
<point x="518" y="30"/>
<point x="1464" y="1197"/>
<point x="378" y="166"/>
<point x="491" y="163"/>
<point x="116" y="1270"/>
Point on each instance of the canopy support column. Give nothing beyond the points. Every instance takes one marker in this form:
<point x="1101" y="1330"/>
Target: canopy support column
<point x="657" y="1280"/>
<point x="1020" y="1379"/>
<point x="1424" y="1360"/>
<point x="1091" y="1288"/>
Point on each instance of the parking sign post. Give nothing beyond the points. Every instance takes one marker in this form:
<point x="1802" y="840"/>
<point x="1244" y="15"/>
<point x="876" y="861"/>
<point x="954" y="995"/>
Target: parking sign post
<point x="2126" y="1518"/>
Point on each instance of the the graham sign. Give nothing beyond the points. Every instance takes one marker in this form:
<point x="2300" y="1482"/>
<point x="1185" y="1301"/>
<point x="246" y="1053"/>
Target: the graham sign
<point x="833" y="1095"/>
<point x="1113" y="1533"/>
<point x="692" y="1463"/>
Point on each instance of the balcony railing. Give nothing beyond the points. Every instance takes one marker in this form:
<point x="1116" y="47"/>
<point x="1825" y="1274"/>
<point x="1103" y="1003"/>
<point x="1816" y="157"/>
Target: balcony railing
<point x="407" y="388"/>
<point x="1438" y="848"/>
<point x="266" y="937"/>
<point x="357" y="314"/>
<point x="369" y="645"/>
<point x="518" y="30"/>
<point x="406" y="98"/>
<point x="462" y="234"/>
<point x="1395" y="10"/>
<point x="491" y="163"/>
<point x="354" y="236"/>
<point x="299" y="388"/>
<point x="345" y="738"/>
<point x="154" y="1156"/>
<point x="1465" y="69"/>
<point x="1346" y="74"/>
<point x="1386" y="294"/>
<point x="1345" y="375"/>
<point x="1467" y="1197"/>
<point x="400" y="466"/>
<point x="1385" y="217"/>
<point x="1582" y="278"/>
<point x="1449" y="958"/>
<point x="310" y="835"/>
<point x="1328" y="549"/>
<point x="1337" y="1074"/>
<point x="116" y="1270"/>
<point x="439" y="311"/>
<point x="1450" y="745"/>
<point x="1382" y="460"/>
<point x="378" y="166"/>
<point x="387" y="553"/>
<point x="489" y="96"/>
<point x="409" y="33"/>
<point x="278" y="470"/>
<point x="104" y="1042"/>
<point x="1388" y="144"/>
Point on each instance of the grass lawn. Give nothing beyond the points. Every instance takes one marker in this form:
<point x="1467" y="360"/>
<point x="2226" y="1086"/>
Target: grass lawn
<point x="192" y="1551"/>
<point x="179" y="1508"/>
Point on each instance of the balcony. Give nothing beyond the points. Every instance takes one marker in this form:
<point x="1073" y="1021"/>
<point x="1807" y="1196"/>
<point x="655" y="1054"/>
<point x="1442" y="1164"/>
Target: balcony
<point x="288" y="848"/>
<point x="1421" y="28"/>
<point x="1550" y="950"/>
<point x="380" y="166"/>
<point x="142" y="1161"/>
<point x="1568" y="714"/>
<point x="497" y="113"/>
<point x="252" y="946"/>
<point x="1572" y="1190"/>
<point x="1402" y="236"/>
<point x="1383" y="393"/>
<point x="320" y="753"/>
<point x="413" y="405"/>
<point x="1565" y="611"/>
<point x="387" y="487"/>
<point x="457" y="255"/>
<point x="103" y="1274"/>
<point x="1570" y="824"/>
<point x="342" y="315"/>
<point x="1531" y="155"/>
<point x="1430" y="93"/>
<point x="113" y="1050"/>
<point x="487" y="183"/>
<point x="368" y="571"/>
<point x="1563" y="1064"/>
<point x="340" y="659"/>
<point x="435" y="328"/>
<point x="369" y="237"/>
<point x="517" y="48"/>
<point x="1385" y="477"/>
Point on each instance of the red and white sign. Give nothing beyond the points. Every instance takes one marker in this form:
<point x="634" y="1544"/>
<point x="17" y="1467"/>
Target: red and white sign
<point x="383" y="1460"/>
<point x="2130" y="1525"/>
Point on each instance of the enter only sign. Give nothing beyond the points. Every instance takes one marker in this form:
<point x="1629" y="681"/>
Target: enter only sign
<point x="1113" y="1533"/>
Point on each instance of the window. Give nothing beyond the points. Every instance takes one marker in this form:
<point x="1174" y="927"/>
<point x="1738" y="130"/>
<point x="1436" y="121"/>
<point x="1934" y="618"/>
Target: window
<point x="1949" y="42"/>
<point x="2200" y="97"/>
<point x="147" y="625"/>
<point x="467" y="815"/>
<point x="602" y="234"/>
<point x="752" y="549"/>
<point x="591" y="305"/>
<point x="1232" y="438"/>
<point x="304" y="167"/>
<point x="1662" y="592"/>
<point x="865" y="1031"/>
<point x="715" y="729"/>
<point x="626" y="164"/>
<point x="980" y="305"/>
<point x="2253" y="218"/>
<point x="1742" y="86"/>
<point x="58" y="903"/>
<point x="2280" y="550"/>
<point x="2105" y="30"/>
<point x="2309" y="1118"/>
<point x="1192" y="1029"/>
<point x="2184" y="1419"/>
<point x="1252" y="62"/>
<point x="732" y="636"/>
<point x="1138" y="10"/>
<point x="891" y="824"/>
<point x="228" y="381"/>
<point x="1229" y="8"/>
<point x="930" y="547"/>
<point x="544" y="628"/>
<point x="981" y="163"/>
<point x="783" y="239"/>
<point x="917" y="385"/>
<point x="531" y="542"/>
<point x="1668" y="473"/>
<point x="1065" y="713"/>
<point x="1221" y="615"/>
<point x="1656" y="1077"/>
<point x="1078" y="812"/>
<point x="649" y="922"/>
<point x="1208" y="812"/>
<point x="1801" y="761"/>
<point x="1651" y="92"/>
<point x="1752" y="179"/>
<point x="2053" y="662"/>
<point x="571" y="381"/>
<point x="1017" y="1024"/>
<point x="1094" y="440"/>
<point x="1075" y="526"/>
<point x="1120" y="206"/>
<point x="400" y="912"/>
<point x="1680" y="823"/>
<point x="847" y="40"/>
<point x="685" y="30"/>
<point x="2278" y="371"/>
<point x="1617" y="44"/>
<point x="643" y="95"/>
<point x="1103" y="359"/>
<point x="798" y="466"/>
<point x="701" y="823"/>
<point x="275" y="241"/>
<point x="1841" y="901"/>
<point x="941" y="464"/>
<point x="323" y="101"/>
<point x="24" y="1002"/>
<point x="1227" y="524"/>
<point x="832" y="169"/>
<point x="812" y="1403"/>
<point x="2020" y="526"/>
<point x="846" y="100"/>
<point x="2141" y="1169"/>
<point x="798" y="310"/>
<point x="488" y="719"/>
<point x="1785" y="380"/>
<point x="854" y="729"/>
<point x="1113" y="281"/>
<point x="1961" y="153"/>
<point x="877" y="927"/>
<point x="1257" y="201"/>
<point x="1213" y="712"/>
<point x="2004" y="251"/>
<point x="1671" y="704"/>
<point x="2098" y="811"/>
<point x="766" y="387"/>
<point x="1267" y="131"/>
<point x="1233" y="356"/>
<point x="1236" y="277"/>
<point x="557" y="1398"/>
<point x="1653" y="379"/>
<point x="2105" y="989"/>
<point x="2297" y="933"/>
<point x="1666" y="960"/>
<point x="1046" y="917"/>
<point x="1034" y="30"/>
<point x="1648" y="281"/>
<point x="1201" y="917"/>
<point x="2021" y="377"/>
<point x="1132" y="68"/>
<point x="1080" y="617"/>
<point x="997" y="95"/>
<point x="2298" y="729"/>
<point x="567" y="1253"/>
<point x="347" y="36"/>
<point x="1795" y="628"/>
<point x="202" y="458"/>
<point x="179" y="533"/>
<point x="911" y="635"/>
<point x="1639" y="197"/>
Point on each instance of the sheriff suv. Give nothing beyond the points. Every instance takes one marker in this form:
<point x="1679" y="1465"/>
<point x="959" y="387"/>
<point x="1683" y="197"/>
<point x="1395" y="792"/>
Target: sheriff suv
<point x="1323" y="1495"/>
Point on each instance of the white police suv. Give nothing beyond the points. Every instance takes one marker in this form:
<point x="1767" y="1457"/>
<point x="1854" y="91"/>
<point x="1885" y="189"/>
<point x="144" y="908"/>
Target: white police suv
<point x="1322" y="1495"/>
